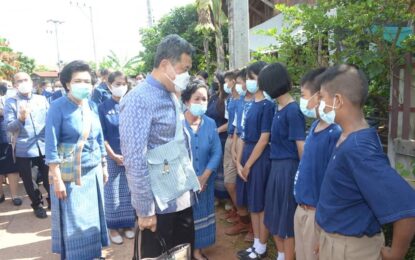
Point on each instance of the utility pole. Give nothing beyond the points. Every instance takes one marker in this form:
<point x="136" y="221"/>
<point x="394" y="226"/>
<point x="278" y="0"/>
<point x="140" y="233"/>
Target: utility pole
<point x="238" y="33"/>
<point x="149" y="14"/>
<point x="56" y="23"/>
<point x="91" y="21"/>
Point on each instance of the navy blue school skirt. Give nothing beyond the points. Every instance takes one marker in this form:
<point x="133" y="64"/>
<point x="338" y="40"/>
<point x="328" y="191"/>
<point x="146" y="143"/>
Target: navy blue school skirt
<point x="257" y="178"/>
<point x="280" y="203"/>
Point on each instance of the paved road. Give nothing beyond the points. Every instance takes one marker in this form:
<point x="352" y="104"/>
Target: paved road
<point x="23" y="236"/>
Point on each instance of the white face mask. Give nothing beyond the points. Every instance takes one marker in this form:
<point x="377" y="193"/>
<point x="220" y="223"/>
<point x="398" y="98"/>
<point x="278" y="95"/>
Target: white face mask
<point x="25" y="87"/>
<point x="181" y="81"/>
<point x="119" y="91"/>
<point x="328" y="117"/>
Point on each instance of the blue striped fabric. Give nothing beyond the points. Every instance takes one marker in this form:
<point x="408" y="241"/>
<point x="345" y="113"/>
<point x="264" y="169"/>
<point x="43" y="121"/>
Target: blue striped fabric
<point x="118" y="209"/>
<point x="79" y="230"/>
<point x="204" y="216"/>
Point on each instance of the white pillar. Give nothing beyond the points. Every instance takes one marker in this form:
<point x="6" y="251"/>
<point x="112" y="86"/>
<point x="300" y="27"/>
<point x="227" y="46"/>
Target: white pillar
<point x="238" y="33"/>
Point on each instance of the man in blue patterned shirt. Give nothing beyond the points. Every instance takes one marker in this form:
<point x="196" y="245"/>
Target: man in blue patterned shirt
<point x="148" y="120"/>
<point x="25" y="119"/>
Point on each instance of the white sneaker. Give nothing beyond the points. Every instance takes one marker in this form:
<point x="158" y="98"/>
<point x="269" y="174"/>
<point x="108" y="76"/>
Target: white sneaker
<point x="129" y="234"/>
<point x="117" y="239"/>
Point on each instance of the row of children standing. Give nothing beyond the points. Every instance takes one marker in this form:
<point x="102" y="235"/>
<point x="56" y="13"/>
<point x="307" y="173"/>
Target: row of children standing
<point x="325" y="194"/>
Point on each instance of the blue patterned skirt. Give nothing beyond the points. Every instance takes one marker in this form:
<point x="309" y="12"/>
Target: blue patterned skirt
<point x="79" y="230"/>
<point x="118" y="209"/>
<point x="204" y="216"/>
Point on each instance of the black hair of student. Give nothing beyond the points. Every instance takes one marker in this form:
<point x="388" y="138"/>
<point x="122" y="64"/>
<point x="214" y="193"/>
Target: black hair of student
<point x="231" y="74"/>
<point x="75" y="66"/>
<point x="220" y="105"/>
<point x="3" y="88"/>
<point x="348" y="80"/>
<point x="114" y="75"/>
<point x="44" y="83"/>
<point x="310" y="80"/>
<point x="104" y="72"/>
<point x="242" y="74"/>
<point x="172" y="47"/>
<point x="191" y="88"/>
<point x="203" y="74"/>
<point x="274" y="80"/>
<point x="254" y="69"/>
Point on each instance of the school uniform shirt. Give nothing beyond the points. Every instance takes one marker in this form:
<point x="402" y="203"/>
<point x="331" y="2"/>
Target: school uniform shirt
<point x="101" y="93"/>
<point x="64" y="124"/>
<point x="109" y="115"/>
<point x="360" y="191"/>
<point x="318" y="148"/>
<point x="231" y="108"/>
<point x="258" y="120"/>
<point x="237" y="121"/>
<point x="288" y="126"/>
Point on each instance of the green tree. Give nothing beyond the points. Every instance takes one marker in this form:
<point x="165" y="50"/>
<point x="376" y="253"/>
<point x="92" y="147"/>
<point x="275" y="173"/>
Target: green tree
<point x="182" y="21"/>
<point x="366" y="33"/>
<point x="26" y="64"/>
<point x="212" y="19"/>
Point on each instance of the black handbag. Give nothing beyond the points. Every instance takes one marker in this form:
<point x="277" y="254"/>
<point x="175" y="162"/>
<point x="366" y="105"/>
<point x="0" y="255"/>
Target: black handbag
<point x="179" y="252"/>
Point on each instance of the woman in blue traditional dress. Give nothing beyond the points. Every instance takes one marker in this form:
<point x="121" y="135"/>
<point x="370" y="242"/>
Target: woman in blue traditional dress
<point x="118" y="209"/>
<point x="217" y="111"/>
<point x="79" y="230"/>
<point x="206" y="155"/>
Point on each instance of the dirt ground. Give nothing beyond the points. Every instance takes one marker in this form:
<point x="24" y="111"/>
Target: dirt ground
<point x="23" y="236"/>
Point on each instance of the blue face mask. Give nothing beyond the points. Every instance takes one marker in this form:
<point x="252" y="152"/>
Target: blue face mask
<point x="240" y="90"/>
<point x="328" y="117"/>
<point x="308" y="112"/>
<point x="251" y="86"/>
<point x="268" y="97"/>
<point x="227" y="89"/>
<point x="197" y="109"/>
<point x="81" y="91"/>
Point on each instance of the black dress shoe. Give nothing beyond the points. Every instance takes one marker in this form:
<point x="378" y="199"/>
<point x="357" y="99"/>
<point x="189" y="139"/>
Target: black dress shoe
<point x="40" y="212"/>
<point x="257" y="255"/>
<point x="242" y="253"/>
<point x="2" y="198"/>
<point x="17" y="201"/>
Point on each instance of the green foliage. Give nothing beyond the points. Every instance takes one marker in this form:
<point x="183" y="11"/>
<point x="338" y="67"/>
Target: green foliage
<point x="182" y="21"/>
<point x="404" y="171"/>
<point x="345" y="31"/>
<point x="130" y="67"/>
<point x="26" y="64"/>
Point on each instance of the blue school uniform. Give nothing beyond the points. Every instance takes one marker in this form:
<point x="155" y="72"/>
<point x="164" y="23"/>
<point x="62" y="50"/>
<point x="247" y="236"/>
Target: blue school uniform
<point x="239" y="114"/>
<point x="258" y="120"/>
<point x="219" y="118"/>
<point x="119" y="212"/>
<point x="288" y="126"/>
<point x="318" y="148"/>
<point x="206" y="154"/>
<point x="360" y="191"/>
<point x="231" y="108"/>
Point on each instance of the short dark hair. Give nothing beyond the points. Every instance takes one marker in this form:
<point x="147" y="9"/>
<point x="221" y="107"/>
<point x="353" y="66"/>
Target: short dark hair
<point x="231" y="74"/>
<point x="310" y="80"/>
<point x="203" y="74"/>
<point x="3" y="88"/>
<point x="44" y="83"/>
<point x="75" y="66"/>
<point x="347" y="80"/>
<point x="104" y="72"/>
<point x="191" y="88"/>
<point x="274" y="80"/>
<point x="114" y="75"/>
<point x="242" y="74"/>
<point x="172" y="47"/>
<point x="255" y="68"/>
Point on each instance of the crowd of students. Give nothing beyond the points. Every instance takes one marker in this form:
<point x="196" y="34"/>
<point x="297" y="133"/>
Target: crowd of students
<point x="321" y="193"/>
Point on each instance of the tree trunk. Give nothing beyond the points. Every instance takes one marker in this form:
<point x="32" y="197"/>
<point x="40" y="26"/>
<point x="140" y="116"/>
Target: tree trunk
<point x="231" y="34"/>
<point x="206" y="50"/>
<point x="220" y="51"/>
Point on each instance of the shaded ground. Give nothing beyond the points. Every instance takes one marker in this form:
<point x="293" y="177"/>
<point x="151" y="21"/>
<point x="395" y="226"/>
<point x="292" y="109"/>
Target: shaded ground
<point x="23" y="236"/>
